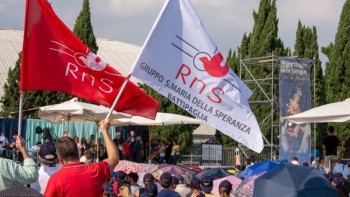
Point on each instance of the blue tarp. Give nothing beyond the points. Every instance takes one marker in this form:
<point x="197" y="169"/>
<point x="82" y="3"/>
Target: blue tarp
<point x="80" y="129"/>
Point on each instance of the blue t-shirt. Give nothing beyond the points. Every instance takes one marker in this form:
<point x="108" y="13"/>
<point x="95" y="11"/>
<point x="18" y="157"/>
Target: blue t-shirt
<point x="133" y="189"/>
<point x="168" y="193"/>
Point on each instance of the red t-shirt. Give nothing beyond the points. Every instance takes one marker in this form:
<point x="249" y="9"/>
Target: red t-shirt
<point x="79" y="179"/>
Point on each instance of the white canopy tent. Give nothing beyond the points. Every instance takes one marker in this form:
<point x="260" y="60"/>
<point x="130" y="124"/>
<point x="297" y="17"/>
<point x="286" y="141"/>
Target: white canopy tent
<point x="73" y="110"/>
<point x="333" y="112"/>
<point x="161" y="119"/>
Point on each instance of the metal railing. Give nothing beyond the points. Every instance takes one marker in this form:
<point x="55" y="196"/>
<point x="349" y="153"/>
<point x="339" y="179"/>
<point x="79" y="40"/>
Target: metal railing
<point x="224" y="156"/>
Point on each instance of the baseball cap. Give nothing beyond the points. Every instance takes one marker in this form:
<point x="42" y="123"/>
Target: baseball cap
<point x="206" y="184"/>
<point x="47" y="151"/>
<point x="165" y="179"/>
<point x="180" y="178"/>
<point x="120" y="176"/>
<point x="151" y="189"/>
<point x="148" y="177"/>
<point x="195" y="183"/>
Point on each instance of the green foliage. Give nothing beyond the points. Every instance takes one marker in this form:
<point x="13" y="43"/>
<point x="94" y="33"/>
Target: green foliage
<point x="181" y="133"/>
<point x="9" y="99"/>
<point x="262" y="41"/>
<point x="83" y="28"/>
<point x="306" y="46"/>
<point x="264" y="38"/>
<point x="337" y="75"/>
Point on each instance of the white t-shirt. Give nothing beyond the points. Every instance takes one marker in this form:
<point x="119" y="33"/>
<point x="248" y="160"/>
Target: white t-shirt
<point x="45" y="172"/>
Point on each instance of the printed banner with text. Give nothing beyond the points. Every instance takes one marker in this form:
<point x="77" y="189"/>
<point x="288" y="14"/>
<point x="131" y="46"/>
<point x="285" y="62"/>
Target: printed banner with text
<point x="295" y="97"/>
<point x="180" y="61"/>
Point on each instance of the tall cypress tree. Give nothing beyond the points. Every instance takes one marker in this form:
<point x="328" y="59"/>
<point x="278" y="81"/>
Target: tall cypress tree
<point x="299" y="41"/>
<point x="306" y="46"/>
<point x="337" y="76"/>
<point x="263" y="41"/>
<point x="83" y="28"/>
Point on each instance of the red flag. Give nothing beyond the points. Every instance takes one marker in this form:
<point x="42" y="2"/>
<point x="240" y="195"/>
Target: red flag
<point x="53" y="58"/>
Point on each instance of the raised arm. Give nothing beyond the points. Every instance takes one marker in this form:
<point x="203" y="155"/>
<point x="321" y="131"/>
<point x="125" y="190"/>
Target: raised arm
<point x="27" y="173"/>
<point x="113" y="155"/>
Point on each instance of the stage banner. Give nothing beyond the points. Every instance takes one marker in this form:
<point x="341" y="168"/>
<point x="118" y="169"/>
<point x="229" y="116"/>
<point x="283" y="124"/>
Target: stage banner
<point x="294" y="97"/>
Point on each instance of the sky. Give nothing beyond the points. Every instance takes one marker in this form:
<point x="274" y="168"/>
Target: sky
<point x="225" y="20"/>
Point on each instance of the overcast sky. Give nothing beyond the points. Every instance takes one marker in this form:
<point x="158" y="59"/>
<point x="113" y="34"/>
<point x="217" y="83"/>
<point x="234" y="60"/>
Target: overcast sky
<point x="225" y="20"/>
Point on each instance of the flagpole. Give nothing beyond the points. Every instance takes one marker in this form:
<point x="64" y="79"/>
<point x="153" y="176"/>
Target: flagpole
<point x="118" y="96"/>
<point x="138" y="57"/>
<point x="20" y="114"/>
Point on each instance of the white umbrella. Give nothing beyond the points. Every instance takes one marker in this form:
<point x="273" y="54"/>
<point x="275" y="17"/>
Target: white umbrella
<point x="73" y="110"/>
<point x="333" y="112"/>
<point x="161" y="119"/>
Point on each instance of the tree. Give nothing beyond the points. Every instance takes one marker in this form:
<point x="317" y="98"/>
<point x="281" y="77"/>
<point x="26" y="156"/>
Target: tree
<point x="83" y="28"/>
<point x="262" y="41"/>
<point x="9" y="99"/>
<point x="337" y="75"/>
<point x="306" y="46"/>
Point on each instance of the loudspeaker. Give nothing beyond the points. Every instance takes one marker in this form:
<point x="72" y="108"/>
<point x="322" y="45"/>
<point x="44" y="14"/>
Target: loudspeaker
<point x="38" y="130"/>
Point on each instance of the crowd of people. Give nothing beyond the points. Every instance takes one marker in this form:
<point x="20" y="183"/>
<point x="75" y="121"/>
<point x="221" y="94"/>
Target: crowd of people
<point x="73" y="167"/>
<point x="168" y="185"/>
<point x="61" y="169"/>
<point x="60" y="173"/>
<point x="133" y="149"/>
<point x="166" y="151"/>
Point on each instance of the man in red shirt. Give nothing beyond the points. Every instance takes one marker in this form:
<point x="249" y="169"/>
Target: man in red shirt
<point x="77" y="178"/>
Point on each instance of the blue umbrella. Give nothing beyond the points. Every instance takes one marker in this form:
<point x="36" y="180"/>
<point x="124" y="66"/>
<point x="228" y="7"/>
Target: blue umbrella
<point x="259" y="168"/>
<point x="289" y="180"/>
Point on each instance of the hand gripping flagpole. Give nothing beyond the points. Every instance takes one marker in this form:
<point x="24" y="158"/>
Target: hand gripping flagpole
<point x="118" y="96"/>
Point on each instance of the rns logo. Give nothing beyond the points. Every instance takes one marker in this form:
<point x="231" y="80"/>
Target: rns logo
<point x="214" y="67"/>
<point x="87" y="67"/>
<point x="90" y="60"/>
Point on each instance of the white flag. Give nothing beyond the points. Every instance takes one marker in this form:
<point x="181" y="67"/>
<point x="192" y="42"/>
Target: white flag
<point x="181" y="62"/>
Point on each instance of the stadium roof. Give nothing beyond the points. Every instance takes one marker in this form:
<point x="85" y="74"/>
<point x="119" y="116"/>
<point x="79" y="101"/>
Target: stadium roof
<point x="118" y="54"/>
